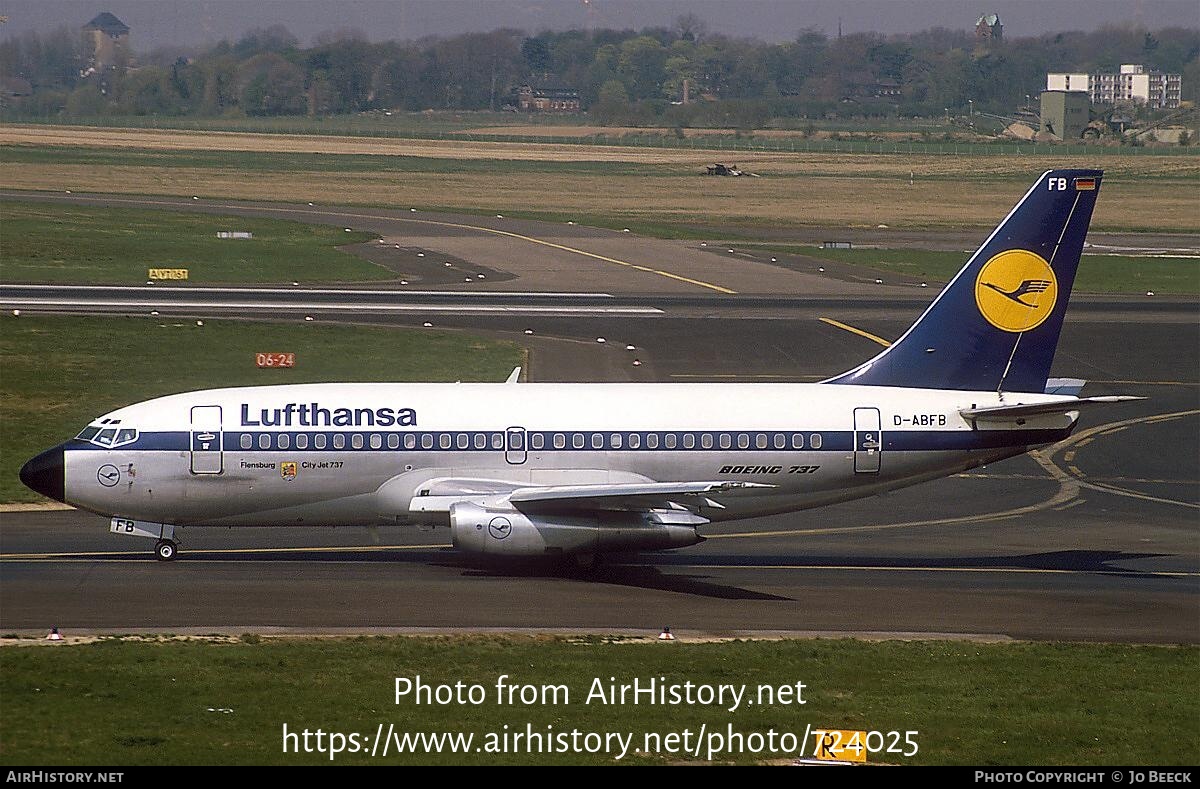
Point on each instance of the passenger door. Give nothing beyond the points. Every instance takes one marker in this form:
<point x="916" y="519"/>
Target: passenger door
<point x="868" y="441"/>
<point x="206" y="440"/>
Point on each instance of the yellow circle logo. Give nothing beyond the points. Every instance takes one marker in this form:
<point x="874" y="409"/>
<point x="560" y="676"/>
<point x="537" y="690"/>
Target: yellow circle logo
<point x="1016" y="290"/>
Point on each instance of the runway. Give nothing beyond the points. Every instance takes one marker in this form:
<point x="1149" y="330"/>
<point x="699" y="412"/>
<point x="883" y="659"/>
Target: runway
<point x="1094" y="539"/>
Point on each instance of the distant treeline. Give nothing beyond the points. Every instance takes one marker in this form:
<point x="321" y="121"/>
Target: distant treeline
<point x="623" y="76"/>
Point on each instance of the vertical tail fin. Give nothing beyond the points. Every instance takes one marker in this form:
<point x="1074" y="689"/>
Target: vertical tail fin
<point x="995" y="327"/>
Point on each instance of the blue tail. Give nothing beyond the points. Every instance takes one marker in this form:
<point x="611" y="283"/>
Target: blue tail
<point x="996" y="325"/>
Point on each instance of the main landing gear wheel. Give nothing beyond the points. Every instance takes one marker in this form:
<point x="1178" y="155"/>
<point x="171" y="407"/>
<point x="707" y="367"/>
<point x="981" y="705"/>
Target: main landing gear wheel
<point x="165" y="550"/>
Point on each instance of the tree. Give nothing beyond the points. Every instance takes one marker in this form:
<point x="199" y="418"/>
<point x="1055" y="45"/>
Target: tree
<point x="220" y="86"/>
<point x="612" y="106"/>
<point x="86" y="101"/>
<point x="149" y="91"/>
<point x="690" y="27"/>
<point x="275" y="38"/>
<point x="642" y="66"/>
<point x="536" y="53"/>
<point x="268" y="84"/>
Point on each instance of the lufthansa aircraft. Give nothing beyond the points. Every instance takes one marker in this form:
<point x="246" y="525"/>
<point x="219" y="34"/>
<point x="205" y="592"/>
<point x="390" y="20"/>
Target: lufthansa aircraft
<point x="530" y="470"/>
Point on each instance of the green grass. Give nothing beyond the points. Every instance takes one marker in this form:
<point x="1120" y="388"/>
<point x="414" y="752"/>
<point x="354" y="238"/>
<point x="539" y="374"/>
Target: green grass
<point x="286" y="162"/>
<point x="454" y="125"/>
<point x="127" y="703"/>
<point x="269" y="162"/>
<point x="58" y="373"/>
<point x="1097" y="273"/>
<point x="365" y="124"/>
<point x="93" y="245"/>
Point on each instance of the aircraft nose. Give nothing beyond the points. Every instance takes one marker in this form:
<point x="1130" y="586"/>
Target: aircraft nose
<point x="44" y="473"/>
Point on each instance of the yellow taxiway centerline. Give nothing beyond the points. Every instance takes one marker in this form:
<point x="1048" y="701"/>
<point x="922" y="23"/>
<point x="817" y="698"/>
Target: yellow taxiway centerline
<point x="859" y="332"/>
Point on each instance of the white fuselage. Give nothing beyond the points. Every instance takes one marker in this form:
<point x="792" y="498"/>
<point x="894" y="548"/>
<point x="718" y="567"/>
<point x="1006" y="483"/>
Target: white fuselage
<point x="359" y="454"/>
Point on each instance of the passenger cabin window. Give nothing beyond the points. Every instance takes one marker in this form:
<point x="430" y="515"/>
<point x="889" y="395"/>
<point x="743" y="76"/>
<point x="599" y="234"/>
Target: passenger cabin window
<point x="444" y="441"/>
<point x="760" y="441"/>
<point x="671" y="441"/>
<point x="410" y="441"/>
<point x="797" y="441"/>
<point x="537" y="441"/>
<point x="814" y="441"/>
<point x="426" y="441"/>
<point x="376" y="441"/>
<point x="480" y="441"/>
<point x="560" y="441"/>
<point x="283" y="440"/>
<point x="463" y="441"/>
<point x="393" y="441"/>
<point x="356" y="441"/>
<point x="264" y="441"/>
<point x="615" y="441"/>
<point x="247" y="441"/>
<point x="652" y="441"/>
<point x="726" y="441"/>
<point x="302" y="441"/>
<point x="497" y="441"/>
<point x="577" y="440"/>
<point x="319" y="441"/>
<point x="635" y="440"/>
<point x="339" y="441"/>
<point x="780" y="441"/>
<point x="597" y="441"/>
<point x="743" y="441"/>
<point x="689" y="440"/>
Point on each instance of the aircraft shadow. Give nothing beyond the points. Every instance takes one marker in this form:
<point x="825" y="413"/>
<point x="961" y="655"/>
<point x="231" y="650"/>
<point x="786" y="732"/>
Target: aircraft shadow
<point x="640" y="576"/>
<point x="657" y="571"/>
<point x="1081" y="561"/>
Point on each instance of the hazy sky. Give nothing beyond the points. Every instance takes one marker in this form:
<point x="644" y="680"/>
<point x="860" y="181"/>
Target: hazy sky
<point x="192" y="22"/>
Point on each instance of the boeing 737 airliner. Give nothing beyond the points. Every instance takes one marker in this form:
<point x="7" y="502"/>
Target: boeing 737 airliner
<point x="529" y="470"/>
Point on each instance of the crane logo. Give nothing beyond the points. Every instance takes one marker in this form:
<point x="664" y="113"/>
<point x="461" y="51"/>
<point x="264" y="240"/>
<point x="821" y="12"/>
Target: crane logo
<point x="500" y="528"/>
<point x="1016" y="290"/>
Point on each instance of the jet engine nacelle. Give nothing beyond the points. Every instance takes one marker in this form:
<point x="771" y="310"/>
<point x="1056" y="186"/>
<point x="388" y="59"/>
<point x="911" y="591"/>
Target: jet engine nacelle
<point x="509" y="532"/>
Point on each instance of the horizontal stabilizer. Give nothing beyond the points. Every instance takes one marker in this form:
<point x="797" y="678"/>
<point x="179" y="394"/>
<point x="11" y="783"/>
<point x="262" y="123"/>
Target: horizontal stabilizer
<point x="1065" y="386"/>
<point x="1024" y="410"/>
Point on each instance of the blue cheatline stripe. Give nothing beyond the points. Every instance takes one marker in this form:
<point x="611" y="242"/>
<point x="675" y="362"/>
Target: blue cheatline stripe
<point x="592" y="441"/>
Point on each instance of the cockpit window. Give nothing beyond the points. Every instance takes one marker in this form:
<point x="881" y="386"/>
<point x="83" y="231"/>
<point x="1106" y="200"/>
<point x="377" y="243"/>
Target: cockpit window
<point x="108" y="437"/>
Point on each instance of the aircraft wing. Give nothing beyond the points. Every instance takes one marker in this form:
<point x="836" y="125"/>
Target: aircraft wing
<point x="439" y="495"/>
<point x="1009" y="413"/>
<point x="620" y="496"/>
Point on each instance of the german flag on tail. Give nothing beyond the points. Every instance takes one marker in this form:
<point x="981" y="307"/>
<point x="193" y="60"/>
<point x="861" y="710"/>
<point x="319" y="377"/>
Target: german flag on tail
<point x="1085" y="184"/>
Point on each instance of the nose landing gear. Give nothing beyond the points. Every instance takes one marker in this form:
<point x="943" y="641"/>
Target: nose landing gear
<point x="166" y="547"/>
